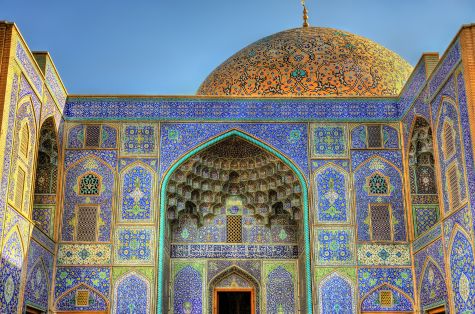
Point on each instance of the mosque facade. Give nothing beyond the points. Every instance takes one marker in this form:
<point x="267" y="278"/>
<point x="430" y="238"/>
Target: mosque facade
<point x="315" y="171"/>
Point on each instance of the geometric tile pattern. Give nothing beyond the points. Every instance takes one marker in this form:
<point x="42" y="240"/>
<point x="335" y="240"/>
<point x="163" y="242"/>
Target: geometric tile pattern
<point x="433" y="290"/>
<point x="329" y="141"/>
<point x="39" y="276"/>
<point x="73" y="198"/>
<point x="280" y="285"/>
<point x="134" y="245"/>
<point x="448" y="115"/>
<point x="377" y="181"/>
<point x="132" y="294"/>
<point x="336" y="294"/>
<point x="139" y="139"/>
<point x="400" y="302"/>
<point x="462" y="270"/>
<point x="364" y="199"/>
<point x="84" y="254"/>
<point x="335" y="246"/>
<point x="67" y="278"/>
<point x="136" y="203"/>
<point x="331" y="198"/>
<point x="43" y="215"/>
<point x="369" y="278"/>
<point x="384" y="254"/>
<point x="425" y="217"/>
<point x="188" y="288"/>
<point x="10" y="272"/>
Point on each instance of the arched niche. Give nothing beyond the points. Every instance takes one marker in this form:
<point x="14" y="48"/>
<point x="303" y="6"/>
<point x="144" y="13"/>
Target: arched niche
<point x="336" y="294"/>
<point x="195" y="169"/>
<point x="234" y="278"/>
<point x="422" y="177"/>
<point x="132" y="293"/>
<point x="46" y="182"/>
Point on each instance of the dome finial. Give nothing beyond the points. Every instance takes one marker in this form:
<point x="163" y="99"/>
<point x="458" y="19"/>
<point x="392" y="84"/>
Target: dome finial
<point x="305" y="15"/>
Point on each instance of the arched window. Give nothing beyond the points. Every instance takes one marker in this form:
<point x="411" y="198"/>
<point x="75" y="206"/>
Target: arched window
<point x="378" y="184"/>
<point x="89" y="184"/>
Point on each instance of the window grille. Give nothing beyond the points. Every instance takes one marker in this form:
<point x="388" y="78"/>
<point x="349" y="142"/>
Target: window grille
<point x="380" y="222"/>
<point x="24" y="140"/>
<point x="82" y="298"/>
<point x="378" y="185"/>
<point x="19" y="187"/>
<point x="234" y="229"/>
<point x="93" y="133"/>
<point x="386" y="298"/>
<point x="86" y="223"/>
<point x="454" y="187"/>
<point x="375" y="137"/>
<point x="89" y="184"/>
<point x="449" y="141"/>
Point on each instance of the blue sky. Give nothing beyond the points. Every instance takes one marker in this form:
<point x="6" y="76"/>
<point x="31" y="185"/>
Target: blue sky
<point x="169" y="46"/>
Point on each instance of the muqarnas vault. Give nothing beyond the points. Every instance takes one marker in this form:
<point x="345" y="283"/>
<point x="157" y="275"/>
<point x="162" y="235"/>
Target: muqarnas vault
<point x="315" y="171"/>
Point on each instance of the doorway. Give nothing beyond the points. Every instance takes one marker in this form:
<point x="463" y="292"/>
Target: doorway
<point x="234" y="301"/>
<point x="438" y="310"/>
<point x="31" y="310"/>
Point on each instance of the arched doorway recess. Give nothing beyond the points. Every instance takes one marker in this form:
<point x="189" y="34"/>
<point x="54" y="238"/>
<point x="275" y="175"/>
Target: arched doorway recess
<point x="236" y="189"/>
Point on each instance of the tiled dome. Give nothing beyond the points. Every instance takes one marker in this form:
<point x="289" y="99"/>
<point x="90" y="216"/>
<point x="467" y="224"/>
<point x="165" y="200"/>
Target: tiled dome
<point x="310" y="61"/>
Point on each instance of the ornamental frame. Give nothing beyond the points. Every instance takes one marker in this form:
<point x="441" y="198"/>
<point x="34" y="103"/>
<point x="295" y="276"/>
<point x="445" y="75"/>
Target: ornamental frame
<point x="345" y="277"/>
<point x="418" y="289"/>
<point x="348" y="194"/>
<point x="387" y="287"/>
<point x="153" y="193"/>
<point x="163" y="206"/>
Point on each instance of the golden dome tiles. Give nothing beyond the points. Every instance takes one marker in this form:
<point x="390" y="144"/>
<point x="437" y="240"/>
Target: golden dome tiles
<point x="310" y="62"/>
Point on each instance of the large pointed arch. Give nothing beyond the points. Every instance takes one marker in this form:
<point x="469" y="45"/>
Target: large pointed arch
<point x="197" y="149"/>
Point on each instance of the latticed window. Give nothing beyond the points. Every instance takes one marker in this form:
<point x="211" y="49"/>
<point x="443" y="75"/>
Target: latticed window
<point x="454" y="186"/>
<point x="375" y="137"/>
<point x="19" y="187"/>
<point x="378" y="184"/>
<point x="380" y="222"/>
<point x="82" y="298"/>
<point x="386" y="298"/>
<point x="89" y="184"/>
<point x="86" y="223"/>
<point x="449" y="140"/>
<point x="93" y="133"/>
<point x="234" y="229"/>
<point x="24" y="140"/>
